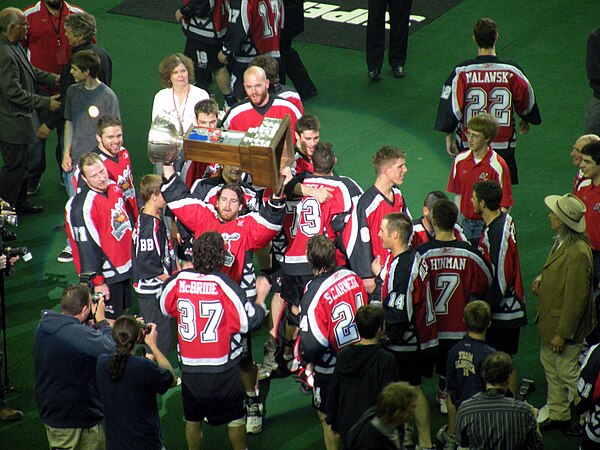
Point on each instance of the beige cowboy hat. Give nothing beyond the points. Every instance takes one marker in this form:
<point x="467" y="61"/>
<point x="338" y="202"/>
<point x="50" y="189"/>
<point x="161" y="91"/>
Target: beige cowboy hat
<point x="569" y="209"/>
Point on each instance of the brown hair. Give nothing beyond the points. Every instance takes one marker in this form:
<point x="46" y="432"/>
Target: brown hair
<point x="168" y="64"/>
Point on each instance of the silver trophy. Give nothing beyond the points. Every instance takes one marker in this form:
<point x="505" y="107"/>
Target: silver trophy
<point x="165" y="138"/>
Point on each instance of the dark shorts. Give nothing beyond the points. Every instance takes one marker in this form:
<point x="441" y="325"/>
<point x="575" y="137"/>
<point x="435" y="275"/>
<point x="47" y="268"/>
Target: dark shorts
<point x="320" y="391"/>
<point x="291" y="286"/>
<point x="120" y="299"/>
<point x="412" y="367"/>
<point x="503" y="339"/>
<point x="441" y="359"/>
<point x="216" y="397"/>
<point x="204" y="56"/>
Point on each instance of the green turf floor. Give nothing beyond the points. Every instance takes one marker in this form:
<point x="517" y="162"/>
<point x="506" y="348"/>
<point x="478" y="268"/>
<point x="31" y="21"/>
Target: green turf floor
<point x="546" y="37"/>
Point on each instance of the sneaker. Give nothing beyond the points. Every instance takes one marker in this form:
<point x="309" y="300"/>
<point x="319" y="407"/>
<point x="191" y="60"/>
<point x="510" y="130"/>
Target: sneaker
<point x="446" y="442"/>
<point x="10" y="415"/>
<point x="269" y="355"/>
<point x="66" y="255"/>
<point x="254" y="418"/>
<point x="441" y="398"/>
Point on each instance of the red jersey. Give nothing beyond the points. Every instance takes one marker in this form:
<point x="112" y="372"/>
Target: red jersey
<point x="498" y="245"/>
<point x="242" y="235"/>
<point x="302" y="163"/>
<point x="361" y="233"/>
<point x="46" y="42"/>
<point x="311" y="218"/>
<point x="244" y="115"/>
<point x="327" y="313"/>
<point x="590" y="196"/>
<point x="99" y="231"/>
<point x="254" y="28"/>
<point x="466" y="171"/>
<point x="457" y="275"/>
<point x="487" y="84"/>
<point x="211" y="312"/>
<point x="119" y="170"/>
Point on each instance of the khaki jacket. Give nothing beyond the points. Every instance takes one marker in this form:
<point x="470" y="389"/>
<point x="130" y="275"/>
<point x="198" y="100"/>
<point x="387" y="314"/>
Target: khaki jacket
<point x="565" y="305"/>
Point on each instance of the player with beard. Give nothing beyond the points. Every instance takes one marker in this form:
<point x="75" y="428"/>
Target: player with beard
<point x="243" y="235"/>
<point x="308" y="130"/>
<point x="116" y="160"/>
<point x="260" y="103"/>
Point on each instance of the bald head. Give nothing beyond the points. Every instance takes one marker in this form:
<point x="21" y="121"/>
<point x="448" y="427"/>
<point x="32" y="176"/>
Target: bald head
<point x="256" y="85"/>
<point x="581" y="142"/>
<point x="11" y="20"/>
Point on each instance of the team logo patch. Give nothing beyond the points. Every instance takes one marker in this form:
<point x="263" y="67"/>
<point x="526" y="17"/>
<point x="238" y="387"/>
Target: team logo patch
<point x="484" y="176"/>
<point x="119" y="221"/>
<point x="596" y="207"/>
<point x="365" y="236"/>
<point x="124" y="182"/>
<point x="228" y="238"/>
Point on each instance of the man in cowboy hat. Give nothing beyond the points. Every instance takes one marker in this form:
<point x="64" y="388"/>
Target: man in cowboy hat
<point x="566" y="313"/>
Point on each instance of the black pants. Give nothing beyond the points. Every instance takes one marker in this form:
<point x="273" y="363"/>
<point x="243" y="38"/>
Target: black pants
<point x="399" y="19"/>
<point x="13" y="185"/>
<point x="291" y="65"/>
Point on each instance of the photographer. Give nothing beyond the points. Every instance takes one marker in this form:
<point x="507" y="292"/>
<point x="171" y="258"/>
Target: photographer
<point x="128" y="385"/>
<point x="65" y="351"/>
<point x="514" y="421"/>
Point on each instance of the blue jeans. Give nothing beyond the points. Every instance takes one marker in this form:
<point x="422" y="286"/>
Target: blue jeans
<point x="473" y="230"/>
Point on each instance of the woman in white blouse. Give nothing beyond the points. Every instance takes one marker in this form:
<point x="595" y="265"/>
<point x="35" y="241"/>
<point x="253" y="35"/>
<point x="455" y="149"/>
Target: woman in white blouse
<point x="179" y="95"/>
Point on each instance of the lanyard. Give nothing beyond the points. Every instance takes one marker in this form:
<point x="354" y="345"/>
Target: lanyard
<point x="56" y="29"/>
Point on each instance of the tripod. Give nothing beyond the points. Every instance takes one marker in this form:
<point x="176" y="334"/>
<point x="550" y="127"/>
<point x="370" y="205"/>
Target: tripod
<point x="7" y="388"/>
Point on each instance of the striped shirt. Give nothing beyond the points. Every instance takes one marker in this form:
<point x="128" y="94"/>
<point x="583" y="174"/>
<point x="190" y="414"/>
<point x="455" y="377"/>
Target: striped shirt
<point x="491" y="421"/>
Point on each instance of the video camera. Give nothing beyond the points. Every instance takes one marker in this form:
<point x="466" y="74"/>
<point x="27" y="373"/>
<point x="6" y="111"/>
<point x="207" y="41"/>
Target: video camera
<point x="525" y="388"/>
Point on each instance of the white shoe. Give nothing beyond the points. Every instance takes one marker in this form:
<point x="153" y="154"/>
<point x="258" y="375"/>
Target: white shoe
<point x="66" y="255"/>
<point x="441" y="398"/>
<point x="254" y="418"/>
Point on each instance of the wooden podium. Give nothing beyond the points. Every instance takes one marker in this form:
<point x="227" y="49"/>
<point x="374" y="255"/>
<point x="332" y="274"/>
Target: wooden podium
<point x="260" y="151"/>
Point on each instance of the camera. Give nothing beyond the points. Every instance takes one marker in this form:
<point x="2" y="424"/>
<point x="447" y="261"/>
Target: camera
<point x="525" y="388"/>
<point x="7" y="215"/>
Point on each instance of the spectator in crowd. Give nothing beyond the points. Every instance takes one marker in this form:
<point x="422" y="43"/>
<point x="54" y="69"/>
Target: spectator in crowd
<point x="381" y="427"/>
<point x="65" y="351"/>
<point x="491" y="420"/>
<point x="465" y="361"/>
<point x="128" y="385"/>
<point x="361" y="372"/>
<point x="566" y="312"/>
<point x="17" y="101"/>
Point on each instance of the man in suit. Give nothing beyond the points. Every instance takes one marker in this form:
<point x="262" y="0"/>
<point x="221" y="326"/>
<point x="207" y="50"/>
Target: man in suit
<point x="17" y="104"/>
